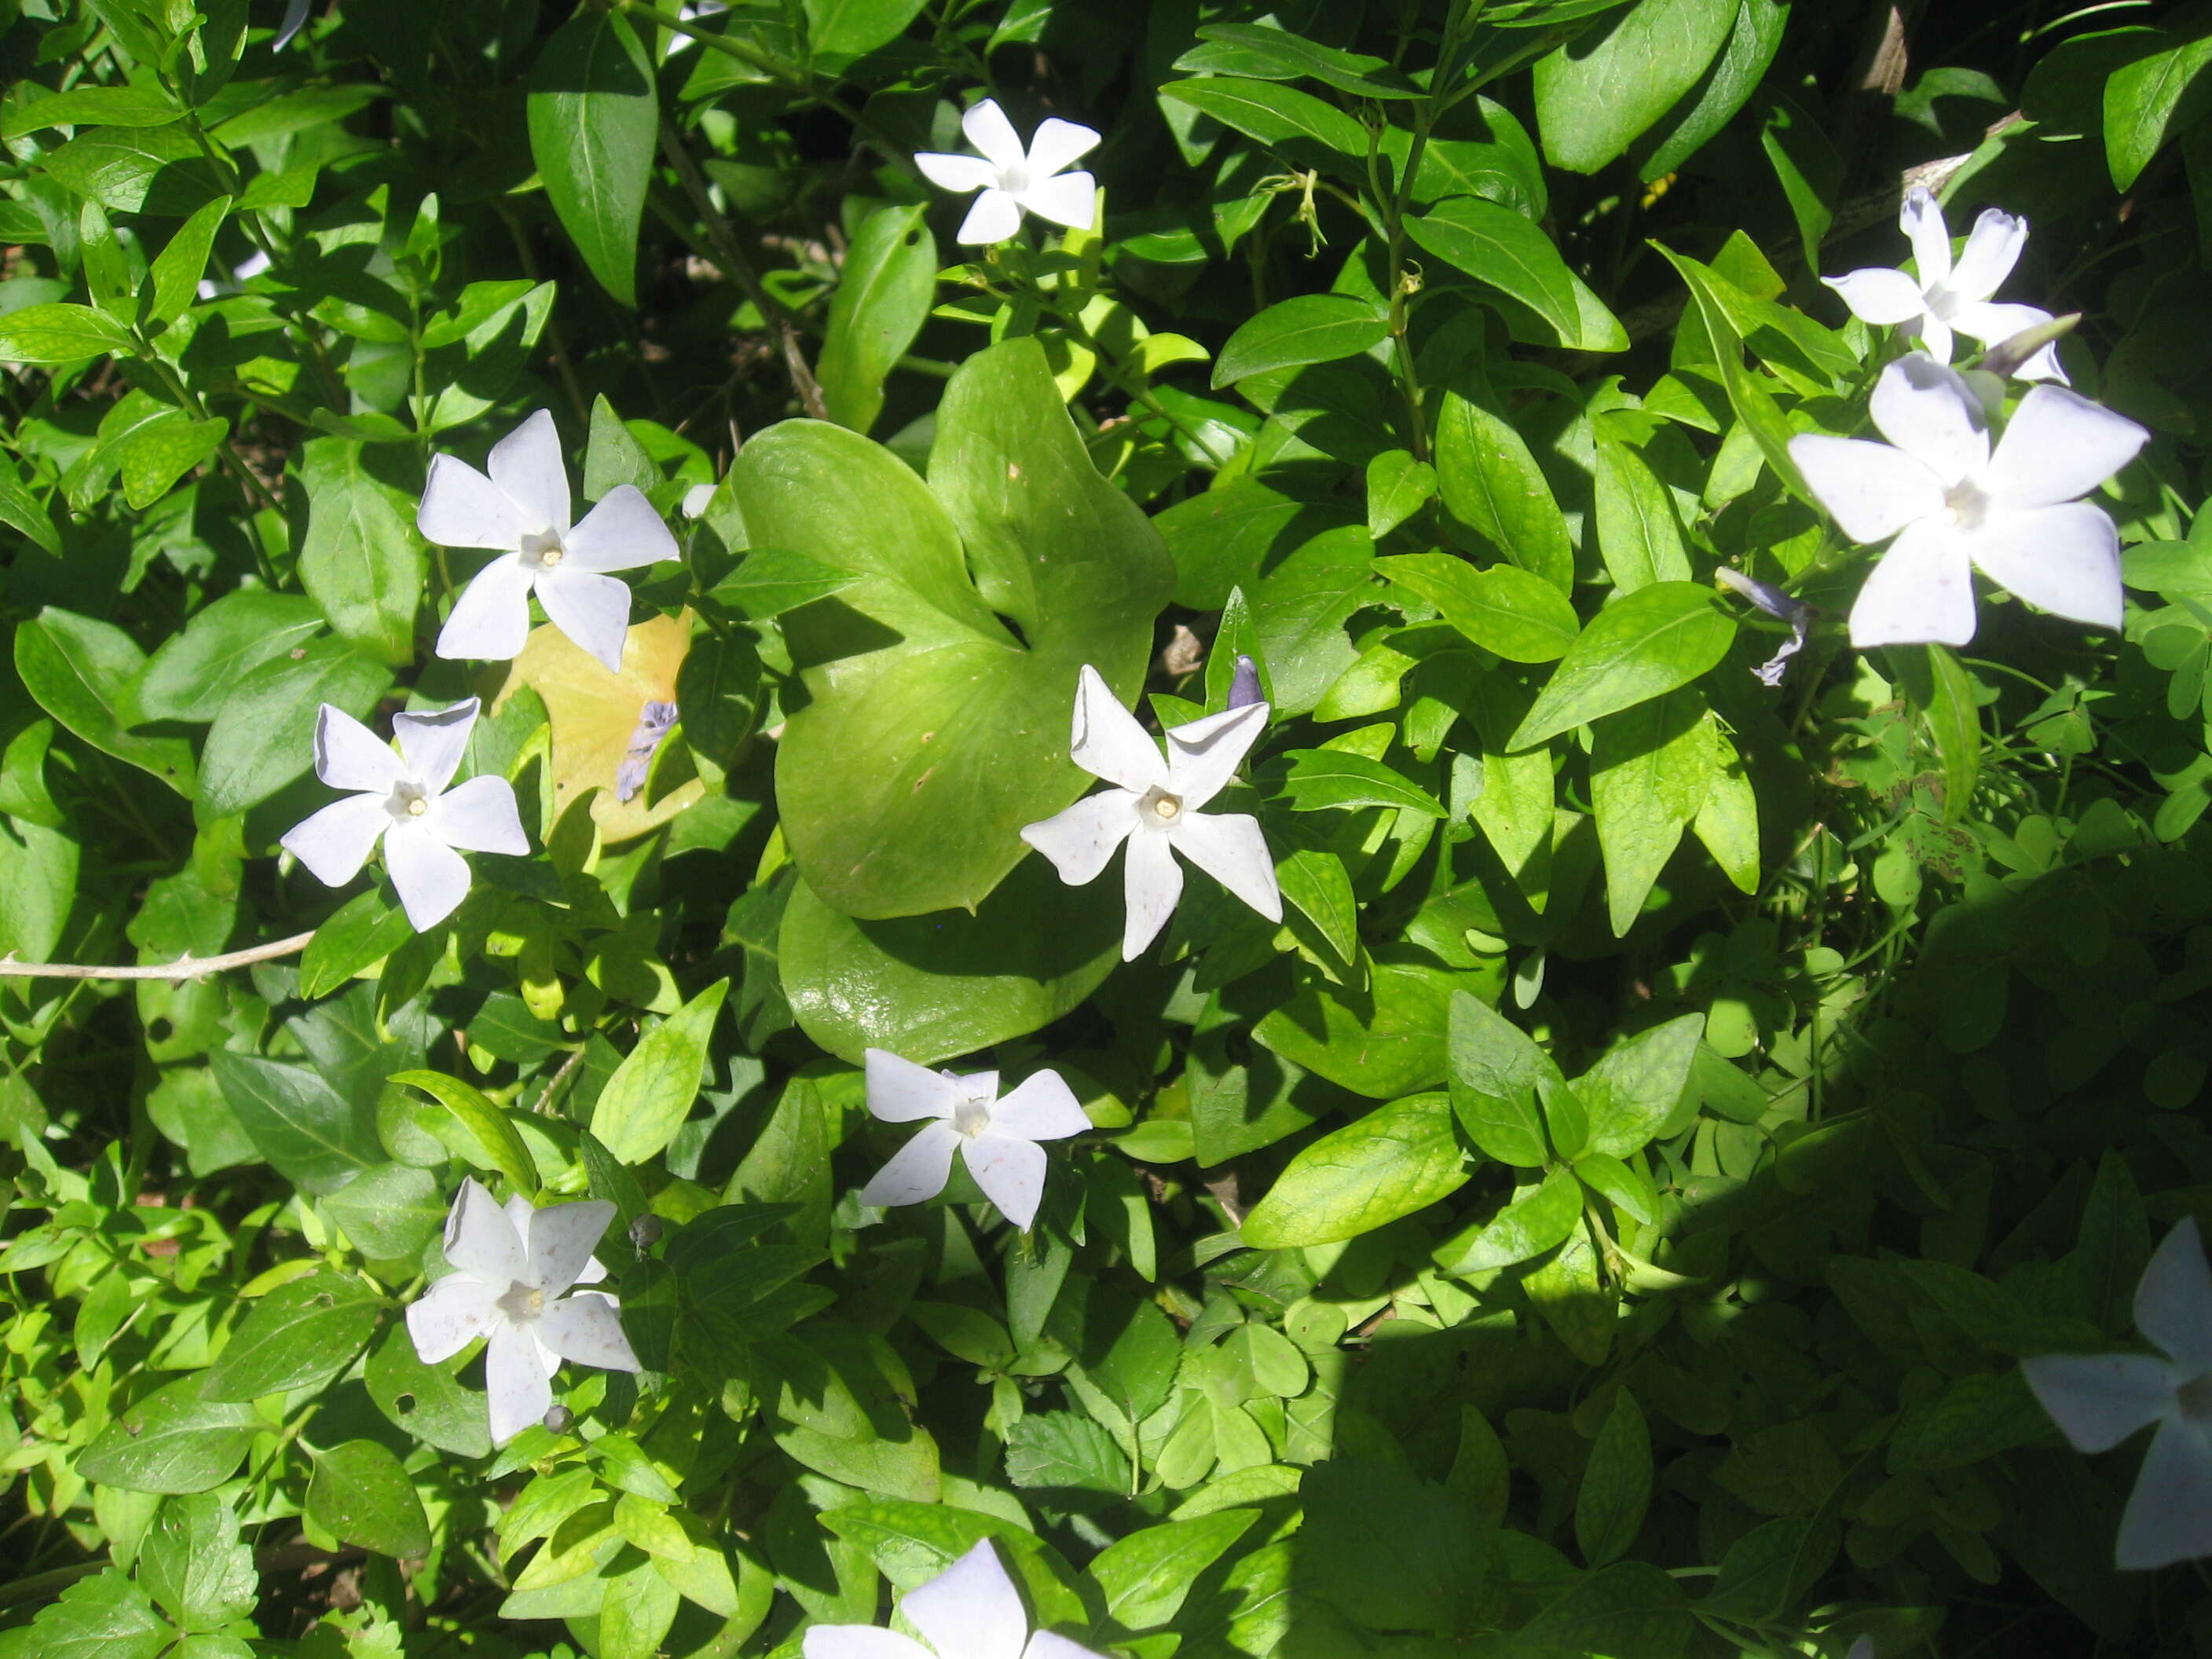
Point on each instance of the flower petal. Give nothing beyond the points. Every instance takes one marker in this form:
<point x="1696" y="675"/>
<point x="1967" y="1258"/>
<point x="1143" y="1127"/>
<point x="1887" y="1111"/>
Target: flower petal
<point x="461" y="508"/>
<point x="988" y="129"/>
<point x="490" y="621"/>
<point x="2058" y="446"/>
<point x="1229" y="848"/>
<point x="621" y="533"/>
<point x="861" y="1641"/>
<point x="591" y="610"/>
<point x="1204" y="755"/>
<point x="1870" y="490"/>
<point x="1877" y="295"/>
<point x="971" y="1610"/>
<point x="957" y="173"/>
<point x="514" y="1379"/>
<point x="1929" y="411"/>
<point x="1921" y="220"/>
<point x="1922" y="592"/>
<point x="1011" y="1172"/>
<point x="335" y="842"/>
<point x="900" y="1091"/>
<point x="1992" y="249"/>
<point x="1934" y="336"/>
<point x="994" y="217"/>
<point x="2042" y="365"/>
<point x="432" y="879"/>
<point x="2173" y="1301"/>
<point x="1049" y="1645"/>
<point x="449" y="1315"/>
<point x="1080" y="841"/>
<point x="1070" y="199"/>
<point x="349" y="756"/>
<point x="2065" y="559"/>
<point x="527" y="467"/>
<point x="586" y="1327"/>
<point x="480" y="815"/>
<point x="1039" y="1108"/>
<point x="1057" y="143"/>
<point x="917" y="1170"/>
<point x="2169" y="1514"/>
<point x="2099" y="1399"/>
<point x="560" y="1238"/>
<point x="480" y="1240"/>
<point x="433" y="743"/>
<point x="1106" y="740"/>
<point x="1152" y="881"/>
<point x="1990" y="323"/>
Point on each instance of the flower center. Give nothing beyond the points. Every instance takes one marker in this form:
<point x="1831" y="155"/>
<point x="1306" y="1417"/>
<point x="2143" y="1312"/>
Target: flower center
<point x="1966" y="504"/>
<point x="1160" y="808"/>
<point x="972" y="1115"/>
<point x="2195" y="1400"/>
<point x="521" y="1303"/>
<point x="543" y="550"/>
<point x="409" y="800"/>
<point x="1016" y="179"/>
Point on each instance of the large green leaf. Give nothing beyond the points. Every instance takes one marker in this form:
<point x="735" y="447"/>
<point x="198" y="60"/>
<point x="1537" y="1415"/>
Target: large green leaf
<point x="2151" y="98"/>
<point x="317" y="1138"/>
<point x="172" y="1441"/>
<point x="1398" y="1158"/>
<point x="650" y="1095"/>
<point x="1597" y="94"/>
<point x="59" y="332"/>
<point x="1313" y="328"/>
<point x="362" y="560"/>
<point x="302" y="1332"/>
<point x="594" y="120"/>
<point x="361" y="1495"/>
<point x="1641" y="645"/>
<point x="1504" y="609"/>
<point x="935" y="730"/>
<point x="883" y="299"/>
<point x="1495" y="245"/>
<point x="263" y="737"/>
<point x="1491" y="482"/>
<point x="80" y="670"/>
<point x="1295" y="122"/>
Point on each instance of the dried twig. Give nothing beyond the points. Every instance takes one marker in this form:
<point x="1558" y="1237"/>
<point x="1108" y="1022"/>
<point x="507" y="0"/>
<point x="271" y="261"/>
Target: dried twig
<point x="185" y="967"/>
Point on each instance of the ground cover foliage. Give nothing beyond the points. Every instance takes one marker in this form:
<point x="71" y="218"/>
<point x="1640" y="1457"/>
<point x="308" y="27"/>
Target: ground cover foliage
<point x="1605" y="1213"/>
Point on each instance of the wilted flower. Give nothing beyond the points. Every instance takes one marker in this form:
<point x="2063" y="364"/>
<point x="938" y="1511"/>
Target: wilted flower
<point x="1955" y="507"/>
<point x="655" y="722"/>
<point x="1013" y="180"/>
<point x="1775" y="603"/>
<point x="403" y="800"/>
<point x="1946" y="298"/>
<point x="996" y="1138"/>
<point x="1244" y="684"/>
<point x="2099" y="1400"/>
<point x="969" y="1611"/>
<point x="510" y="1267"/>
<point x="521" y="511"/>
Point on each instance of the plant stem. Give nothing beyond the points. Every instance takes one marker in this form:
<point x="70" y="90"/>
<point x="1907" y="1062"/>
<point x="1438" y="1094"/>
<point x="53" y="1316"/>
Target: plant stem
<point x="183" y="968"/>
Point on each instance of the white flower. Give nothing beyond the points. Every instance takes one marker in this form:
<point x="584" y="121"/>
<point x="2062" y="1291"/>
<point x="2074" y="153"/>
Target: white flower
<point x="1012" y="180"/>
<point x="1947" y="298"/>
<point x="511" y="1267"/>
<point x="522" y="512"/>
<point x="1155" y="810"/>
<point x="2099" y="1400"/>
<point x="996" y="1139"/>
<point x="2013" y="514"/>
<point x="240" y="273"/>
<point x="697" y="499"/>
<point x="403" y="799"/>
<point x="969" y="1611"/>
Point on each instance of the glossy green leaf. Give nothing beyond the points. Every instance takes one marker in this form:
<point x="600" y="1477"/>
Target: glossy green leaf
<point x="1336" y="778"/>
<point x="1274" y="114"/>
<point x="1616" y="1489"/>
<point x="390" y="1212"/>
<point x="263" y="737"/>
<point x="90" y="106"/>
<point x="1272" y="53"/>
<point x="303" y="1333"/>
<point x="2150" y="99"/>
<point x="59" y="333"/>
<point x="594" y="123"/>
<point x="362" y="560"/>
<point x="195" y="1564"/>
<point x="769" y="582"/>
<point x="1496" y="1072"/>
<point x="1398" y="486"/>
<point x="487" y="1125"/>
<point x="883" y="298"/>
<point x="80" y="672"/>
<point x="1538" y="1218"/>
<point x="1491" y="482"/>
<point x="1637" y="533"/>
<point x="1651" y="768"/>
<point x="1752" y="41"/>
<point x="361" y="1495"/>
<point x="1402" y="1157"/>
<point x="1313" y="328"/>
<point x="1597" y="93"/>
<point x="1747" y="392"/>
<point x="1505" y="609"/>
<point x="1147" y="1575"/>
<point x="1635" y="1088"/>
<point x="316" y="1137"/>
<point x="172" y="1441"/>
<point x="1495" y="245"/>
<point x="651" y="1093"/>
<point x="1641" y="645"/>
<point x="179" y="265"/>
<point x="839" y="31"/>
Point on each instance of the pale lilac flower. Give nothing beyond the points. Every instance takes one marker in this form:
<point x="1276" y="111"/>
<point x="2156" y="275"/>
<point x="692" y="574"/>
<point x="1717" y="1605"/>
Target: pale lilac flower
<point x="1154" y="808"/>
<point x="1014" y="180"/>
<point x="969" y="1611"/>
<point x="655" y="722"/>
<point x="997" y="1139"/>
<point x="521" y="512"/>
<point x="510" y="1269"/>
<point x="1956" y="507"/>
<point x="1244" y="684"/>
<point x="2099" y="1400"/>
<point x="1947" y="298"/>
<point x="1776" y="603"/>
<point x="403" y="800"/>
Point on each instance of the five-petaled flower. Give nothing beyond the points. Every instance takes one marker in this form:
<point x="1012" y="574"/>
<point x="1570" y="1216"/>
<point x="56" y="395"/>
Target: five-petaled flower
<point x="510" y="1269"/>
<point x="1013" y="179"/>
<point x="969" y="1611"/>
<point x="997" y="1139"/>
<point x="403" y="800"/>
<point x="1947" y="298"/>
<point x="1955" y="507"/>
<point x="521" y="512"/>
<point x="2099" y="1400"/>
<point x="1154" y="808"/>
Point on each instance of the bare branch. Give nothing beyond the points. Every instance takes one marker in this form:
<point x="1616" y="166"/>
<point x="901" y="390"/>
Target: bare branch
<point x="185" y="967"/>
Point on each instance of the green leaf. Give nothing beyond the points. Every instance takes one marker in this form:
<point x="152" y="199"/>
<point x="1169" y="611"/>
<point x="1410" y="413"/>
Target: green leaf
<point x="1222" y="538"/>
<point x="364" y="930"/>
<point x="89" y="105"/>
<point x="60" y="333"/>
<point x="155" y="170"/>
<point x="1754" y="403"/>
<point x="594" y="121"/>
<point x="933" y="986"/>
<point x="1727" y="85"/>
<point x="1641" y="645"/>
<point x="301" y="1333"/>
<point x="1402" y="1157"/>
<point x="1319" y="889"/>
<point x="1539" y="1216"/>
<point x="1295" y="122"/>
<point x="1633" y="1090"/>
<point x="79" y="670"/>
<point x="178" y="267"/>
<point x="1637" y="531"/>
<point x="1398" y="486"/>
<point x="362" y="560"/>
<point x="317" y="1140"/>
<point x="264" y="735"/>
<point x="1387" y="1041"/>
<point x="156" y="453"/>
<point x="1065" y="1451"/>
<point x="1276" y="54"/>
<point x="769" y="582"/>
<point x="1146" y="1576"/>
<point x="884" y="291"/>
<point x="1337" y="778"/>
<point x="302" y="110"/>
<point x="1504" y="609"/>
<point x="1494" y="244"/>
<point x="103" y="1617"/>
<point x="1651" y="767"/>
<point x="1497" y="1072"/>
<point x="2148" y="100"/>
<point x="1566" y="1291"/>
<point x="1954" y="718"/>
<point x="1367" y="1525"/>
<point x="1616" y="1488"/>
<point x="932" y="733"/>
<point x="1313" y="328"/>
<point x="21" y="511"/>
<point x="361" y="1495"/>
<point x="838" y="31"/>
<point x="650" y="1095"/>
<point x="1597" y="94"/>
<point x="1491" y="482"/>
<point x="390" y="1212"/>
<point x="425" y="1401"/>
<point x="1810" y="172"/>
<point x="172" y="1441"/>
<point x="196" y="1567"/>
<point x="612" y="455"/>
<point x="488" y="1126"/>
